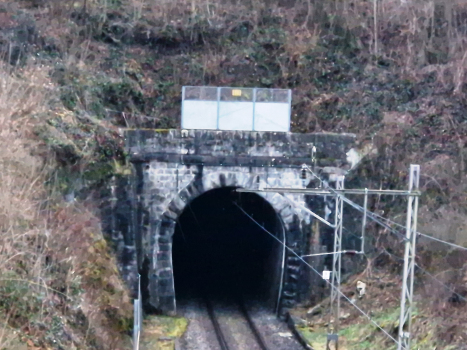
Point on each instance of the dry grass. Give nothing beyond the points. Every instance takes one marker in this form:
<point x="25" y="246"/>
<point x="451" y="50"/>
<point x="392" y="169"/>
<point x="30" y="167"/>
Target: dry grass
<point x="53" y="259"/>
<point x="22" y="173"/>
<point x="23" y="230"/>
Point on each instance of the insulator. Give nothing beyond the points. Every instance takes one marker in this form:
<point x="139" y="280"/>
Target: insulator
<point x="303" y="174"/>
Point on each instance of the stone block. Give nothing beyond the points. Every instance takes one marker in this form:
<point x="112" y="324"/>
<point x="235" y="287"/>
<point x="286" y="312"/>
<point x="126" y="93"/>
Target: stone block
<point x="165" y="287"/>
<point x="288" y="303"/>
<point x="165" y="247"/>
<point x="293" y="261"/>
<point x="290" y="295"/>
<point x="165" y="273"/>
<point x="164" y="264"/>
<point x="164" y="255"/>
<point x="170" y="178"/>
<point x="158" y="165"/>
<point x="164" y="239"/>
<point x="177" y="205"/>
<point x="169" y="214"/>
<point x="185" y="195"/>
<point x="287" y="214"/>
<point x="193" y="190"/>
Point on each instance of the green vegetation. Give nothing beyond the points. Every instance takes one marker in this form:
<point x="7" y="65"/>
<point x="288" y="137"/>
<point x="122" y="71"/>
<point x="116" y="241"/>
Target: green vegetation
<point x="360" y="334"/>
<point x="160" y="332"/>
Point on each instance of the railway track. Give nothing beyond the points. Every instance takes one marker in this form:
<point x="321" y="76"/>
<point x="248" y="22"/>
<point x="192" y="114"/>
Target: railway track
<point x="239" y="318"/>
<point x="217" y="328"/>
<point x="227" y="323"/>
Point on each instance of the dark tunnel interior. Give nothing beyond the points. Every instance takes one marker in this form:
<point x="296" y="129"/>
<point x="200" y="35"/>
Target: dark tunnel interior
<point x="219" y="252"/>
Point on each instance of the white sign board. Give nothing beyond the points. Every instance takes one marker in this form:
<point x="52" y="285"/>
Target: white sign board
<point x="199" y="114"/>
<point x="216" y="108"/>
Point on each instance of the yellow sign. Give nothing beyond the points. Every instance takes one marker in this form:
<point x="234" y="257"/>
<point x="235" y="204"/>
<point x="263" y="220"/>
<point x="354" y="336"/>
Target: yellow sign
<point x="236" y="92"/>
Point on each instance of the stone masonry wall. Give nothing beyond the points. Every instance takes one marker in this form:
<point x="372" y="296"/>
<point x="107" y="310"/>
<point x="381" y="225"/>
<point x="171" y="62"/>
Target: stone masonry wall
<point x="239" y="148"/>
<point x="173" y="167"/>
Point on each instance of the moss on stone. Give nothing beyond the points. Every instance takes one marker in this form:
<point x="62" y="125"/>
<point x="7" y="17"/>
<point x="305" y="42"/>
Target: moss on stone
<point x="160" y="332"/>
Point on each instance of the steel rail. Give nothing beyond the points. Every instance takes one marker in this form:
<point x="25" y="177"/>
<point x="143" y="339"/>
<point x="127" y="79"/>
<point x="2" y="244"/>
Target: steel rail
<point x="217" y="328"/>
<point x="259" y="338"/>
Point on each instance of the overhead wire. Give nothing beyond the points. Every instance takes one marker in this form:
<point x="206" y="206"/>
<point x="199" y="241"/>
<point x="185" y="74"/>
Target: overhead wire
<point x="457" y="246"/>
<point x="376" y="217"/>
<point x="441" y="282"/>
<point x="387" y="226"/>
<point x="400" y="258"/>
<point x="430" y="275"/>
<point x="358" y="207"/>
<point x="442" y="241"/>
<point x="384" y="222"/>
<point x="317" y="272"/>
<point x="390" y="222"/>
<point x="310" y="212"/>
<point x="421" y="268"/>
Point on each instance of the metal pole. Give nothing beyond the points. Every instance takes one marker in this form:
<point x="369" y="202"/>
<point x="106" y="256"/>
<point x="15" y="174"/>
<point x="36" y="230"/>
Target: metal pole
<point x="218" y="106"/>
<point x="409" y="262"/>
<point x="183" y="109"/>
<point x="140" y="302"/>
<point x="365" y="205"/>
<point x="135" y="326"/>
<point x="254" y="110"/>
<point x="290" y="108"/>
<point x="336" y="266"/>
<point x="137" y="317"/>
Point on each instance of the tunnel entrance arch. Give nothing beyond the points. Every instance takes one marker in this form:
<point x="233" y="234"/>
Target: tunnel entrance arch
<point x="220" y="252"/>
<point x="170" y="168"/>
<point x="162" y="293"/>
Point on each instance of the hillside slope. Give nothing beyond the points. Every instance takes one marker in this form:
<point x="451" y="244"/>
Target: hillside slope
<point x="75" y="73"/>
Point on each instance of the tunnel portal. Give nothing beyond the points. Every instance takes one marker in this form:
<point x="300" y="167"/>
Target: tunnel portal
<point x="181" y="224"/>
<point x="220" y="251"/>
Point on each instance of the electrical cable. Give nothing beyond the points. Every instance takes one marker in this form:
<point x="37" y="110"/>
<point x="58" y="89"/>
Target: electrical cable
<point x="430" y="237"/>
<point x="314" y="270"/>
<point x="358" y="207"/>
<point x="351" y="233"/>
<point x="402" y="259"/>
<point x="310" y="212"/>
<point x="181" y="229"/>
<point x="430" y="275"/>
<point x="196" y="219"/>
<point x="390" y="222"/>
<point x="441" y="282"/>
<point x="441" y="241"/>
<point x="374" y="215"/>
